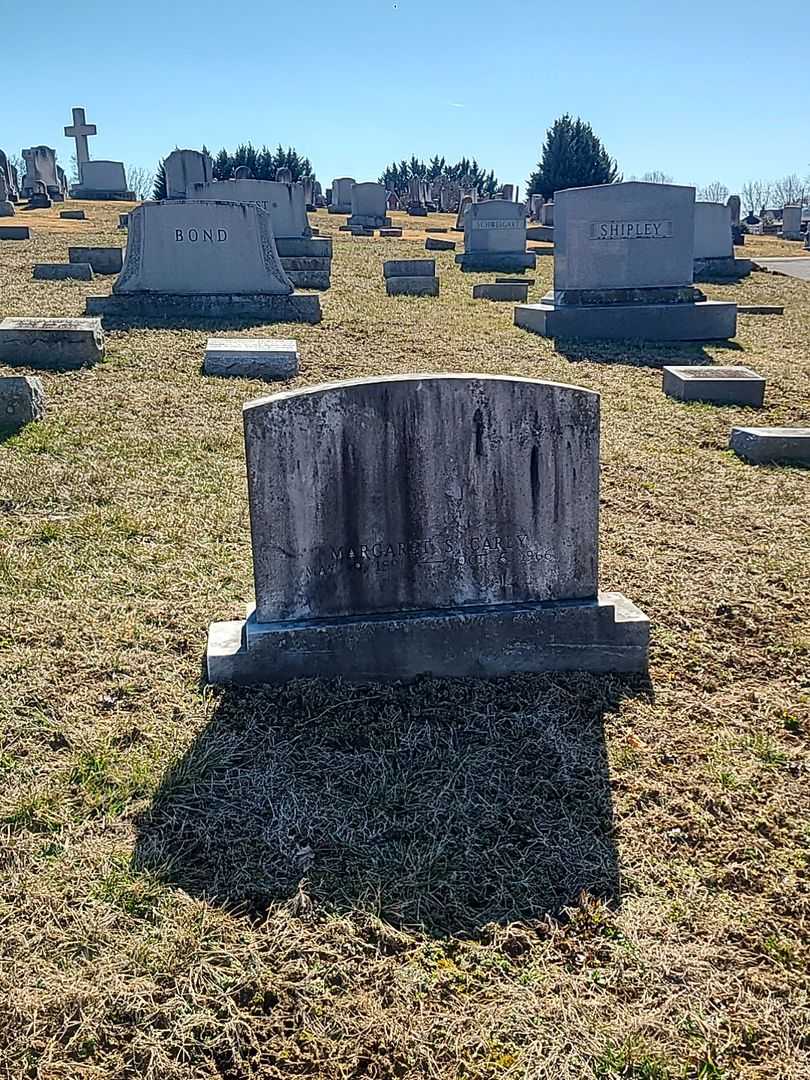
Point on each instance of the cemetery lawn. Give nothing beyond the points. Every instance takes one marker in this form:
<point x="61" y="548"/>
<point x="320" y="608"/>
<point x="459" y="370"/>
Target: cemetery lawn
<point x="543" y="877"/>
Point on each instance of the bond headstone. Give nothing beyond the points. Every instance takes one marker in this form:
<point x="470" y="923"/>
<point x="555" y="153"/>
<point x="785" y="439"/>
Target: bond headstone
<point x="623" y="268"/>
<point x="425" y="523"/>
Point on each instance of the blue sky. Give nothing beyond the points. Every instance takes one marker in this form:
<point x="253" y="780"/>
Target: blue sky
<point x="696" y="91"/>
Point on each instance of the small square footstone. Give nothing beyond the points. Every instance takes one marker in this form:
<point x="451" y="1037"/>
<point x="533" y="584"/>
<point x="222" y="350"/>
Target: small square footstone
<point x="421" y="285"/>
<point x="15" y="232"/>
<point x="252" y="358"/>
<point x="62" y="271"/>
<point x="104" y="260"/>
<point x="391" y="232"/>
<point x="409" y="268"/>
<point x="434" y="243"/>
<point x="72" y="215"/>
<point x="771" y="445"/>
<point x="493" y="290"/>
<point x="484" y="564"/>
<point x="22" y="400"/>
<point x="56" y="344"/>
<point x="717" y="385"/>
<point x="760" y="309"/>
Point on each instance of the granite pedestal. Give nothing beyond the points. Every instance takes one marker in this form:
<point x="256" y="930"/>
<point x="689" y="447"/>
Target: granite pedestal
<point x="711" y="320"/>
<point x="180" y="308"/>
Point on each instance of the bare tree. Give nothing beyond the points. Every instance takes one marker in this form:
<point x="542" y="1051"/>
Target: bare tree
<point x="790" y="190"/>
<point x="657" y="176"/>
<point x="140" y="181"/>
<point x="713" y="192"/>
<point x="755" y="195"/>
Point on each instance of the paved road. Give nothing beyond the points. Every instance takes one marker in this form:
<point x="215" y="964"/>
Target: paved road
<point x="792" y="266"/>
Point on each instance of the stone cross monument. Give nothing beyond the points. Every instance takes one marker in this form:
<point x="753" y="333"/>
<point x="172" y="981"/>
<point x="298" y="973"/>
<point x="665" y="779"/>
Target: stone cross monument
<point x="79" y="131"/>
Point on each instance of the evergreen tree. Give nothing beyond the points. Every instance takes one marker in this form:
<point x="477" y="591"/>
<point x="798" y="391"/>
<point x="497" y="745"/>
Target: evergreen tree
<point x="396" y="177"/>
<point x="572" y="156"/>
<point x="159" y="190"/>
<point x="222" y="166"/>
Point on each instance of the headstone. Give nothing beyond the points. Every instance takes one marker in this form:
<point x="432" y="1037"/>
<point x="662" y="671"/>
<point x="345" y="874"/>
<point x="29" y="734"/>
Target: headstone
<point x="56" y="344"/>
<point x="72" y="215"/>
<point x="284" y="176"/>
<point x="792" y="223"/>
<point x="368" y="206"/>
<point x="39" y="198"/>
<point x="102" y="180"/>
<point x="715" y="385"/>
<point x="760" y="309"/>
<point x="62" y="272"/>
<point x="123" y="221"/>
<point x="771" y="445"/>
<point x="495" y="237"/>
<point x="15" y="232"/>
<point x="203" y="259"/>
<point x="7" y="208"/>
<point x="409" y="268"/>
<point x="184" y="169"/>
<point x="508" y="193"/>
<point x="392" y="200"/>
<point x="22" y="401"/>
<point x="308" y="184"/>
<point x="391" y="232"/>
<point x="714" y="244"/>
<point x="734" y="205"/>
<point x="547" y="214"/>
<point x="9" y="174"/>
<point x="493" y="290"/>
<point x="284" y="203"/>
<point x="80" y="130"/>
<point x="104" y="260"/>
<point x="242" y="172"/>
<point x="535" y="207"/>
<point x="623" y="268"/>
<point x="341" y="201"/>
<point x="40" y="164"/>
<point x="542" y="233"/>
<point x="410" y="277"/>
<point x="464" y="205"/>
<point x="252" y="358"/>
<point x="435" y="243"/>
<point x="425" y="523"/>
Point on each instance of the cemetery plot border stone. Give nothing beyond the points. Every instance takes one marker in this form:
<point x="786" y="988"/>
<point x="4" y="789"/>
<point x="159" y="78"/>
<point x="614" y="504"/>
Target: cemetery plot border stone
<point x="715" y="385"/>
<point x="252" y="358"/>
<point x="434" y="243"/>
<point x="15" y="232"/>
<point x="442" y="524"/>
<point x="55" y="344"/>
<point x="771" y="445"/>
<point x="72" y="215"/>
<point x="22" y="401"/>
<point x="412" y="286"/>
<point x="493" y="290"/>
<point x="104" y="260"/>
<point x="62" y="272"/>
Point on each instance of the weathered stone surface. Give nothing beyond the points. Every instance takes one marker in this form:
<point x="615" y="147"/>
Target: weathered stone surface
<point x="341" y="195"/>
<point x="252" y="358"/>
<point x="283" y="202"/>
<point x="421" y="285"/>
<point x="353" y="510"/>
<point x="409" y="268"/>
<point x="792" y="223"/>
<point x="716" y="385"/>
<point x="495" y="237"/>
<point x="104" y="260"/>
<point x="180" y="309"/>
<point x="22" y="400"/>
<point x="72" y="215"/>
<point x="102" y="180"/>
<point x="63" y="271"/>
<point x="433" y="243"/>
<point x="51" y="343"/>
<point x="425" y="523"/>
<point x="369" y="206"/>
<point x="185" y="169"/>
<point x="436" y="229"/>
<point x="544" y="233"/>
<point x="190" y="247"/>
<point x="711" y="320"/>
<point x="713" y="238"/>
<point x="14" y="232"/>
<point x="391" y="232"/>
<point x="360" y="230"/>
<point x="492" y="290"/>
<point x="771" y="445"/>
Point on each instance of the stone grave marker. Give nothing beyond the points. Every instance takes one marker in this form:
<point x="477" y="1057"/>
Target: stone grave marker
<point x="104" y="260"/>
<point x="15" y="232"/>
<point x="73" y="215"/>
<point x="714" y="244"/>
<point x="369" y="206"/>
<point x="184" y="169"/>
<point x="792" y="223"/>
<point x="40" y="165"/>
<point x="623" y="268"/>
<point x="771" y="445"/>
<point x="203" y="259"/>
<point x="436" y="243"/>
<point x="340" y="201"/>
<point x="495" y="237"/>
<point x="252" y="358"/>
<point x="715" y="385"/>
<point x="39" y="199"/>
<point x="57" y="344"/>
<point x="62" y="271"/>
<point x="425" y="523"/>
<point x="494" y="290"/>
<point x="22" y="401"/>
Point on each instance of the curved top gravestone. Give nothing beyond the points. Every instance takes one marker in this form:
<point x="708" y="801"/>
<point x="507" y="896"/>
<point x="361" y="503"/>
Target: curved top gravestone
<point x="195" y="247"/>
<point x="422" y="492"/>
<point x="185" y="168"/>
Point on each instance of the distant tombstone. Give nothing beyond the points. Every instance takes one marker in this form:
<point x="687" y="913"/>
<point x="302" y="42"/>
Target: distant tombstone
<point x="284" y="176"/>
<point x="203" y="259"/>
<point x="284" y="202"/>
<point x="369" y="206"/>
<point x="495" y="237"/>
<point x="6" y="205"/>
<point x="39" y="198"/>
<point x="737" y="235"/>
<point x="714" y="243"/>
<point x="792" y="223"/>
<point x="464" y="205"/>
<point x="484" y="564"/>
<point x="547" y="214"/>
<point x="535" y="207"/>
<point x="308" y="184"/>
<point x="184" y="169"/>
<point x="341" y="201"/>
<point x="242" y="172"/>
<point x="392" y="200"/>
<point x="508" y="192"/>
<point x="623" y="268"/>
<point x="102" y="180"/>
<point x="8" y="173"/>
<point x="40" y="165"/>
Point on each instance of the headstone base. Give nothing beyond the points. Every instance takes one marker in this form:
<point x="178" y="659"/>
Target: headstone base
<point x="251" y="358"/>
<point x="304" y="247"/>
<point x="435" y="243"/>
<point x="181" y="308"/>
<point x="422" y="285"/>
<point x="369" y="221"/>
<point x="710" y="320"/>
<point x="723" y="267"/>
<point x="102" y="196"/>
<point x="493" y="290"/>
<point x="496" y="260"/>
<point x="606" y="634"/>
<point x="545" y="233"/>
<point x="309" y="279"/>
<point x="55" y="344"/>
<point x="715" y="385"/>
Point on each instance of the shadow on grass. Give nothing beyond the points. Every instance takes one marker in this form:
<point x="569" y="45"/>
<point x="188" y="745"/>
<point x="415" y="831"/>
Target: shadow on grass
<point x="642" y="354"/>
<point x="442" y="804"/>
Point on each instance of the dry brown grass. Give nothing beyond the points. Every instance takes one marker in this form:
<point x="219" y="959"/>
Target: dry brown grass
<point x="541" y="877"/>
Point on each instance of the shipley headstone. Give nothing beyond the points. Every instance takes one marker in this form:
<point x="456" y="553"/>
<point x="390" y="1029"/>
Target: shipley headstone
<point x="623" y="268"/>
<point x="425" y="523"/>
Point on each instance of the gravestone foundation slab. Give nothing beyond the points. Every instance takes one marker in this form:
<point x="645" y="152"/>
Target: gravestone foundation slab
<point x="57" y="344"/>
<point x="715" y="385"/>
<point x="252" y="358"/>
